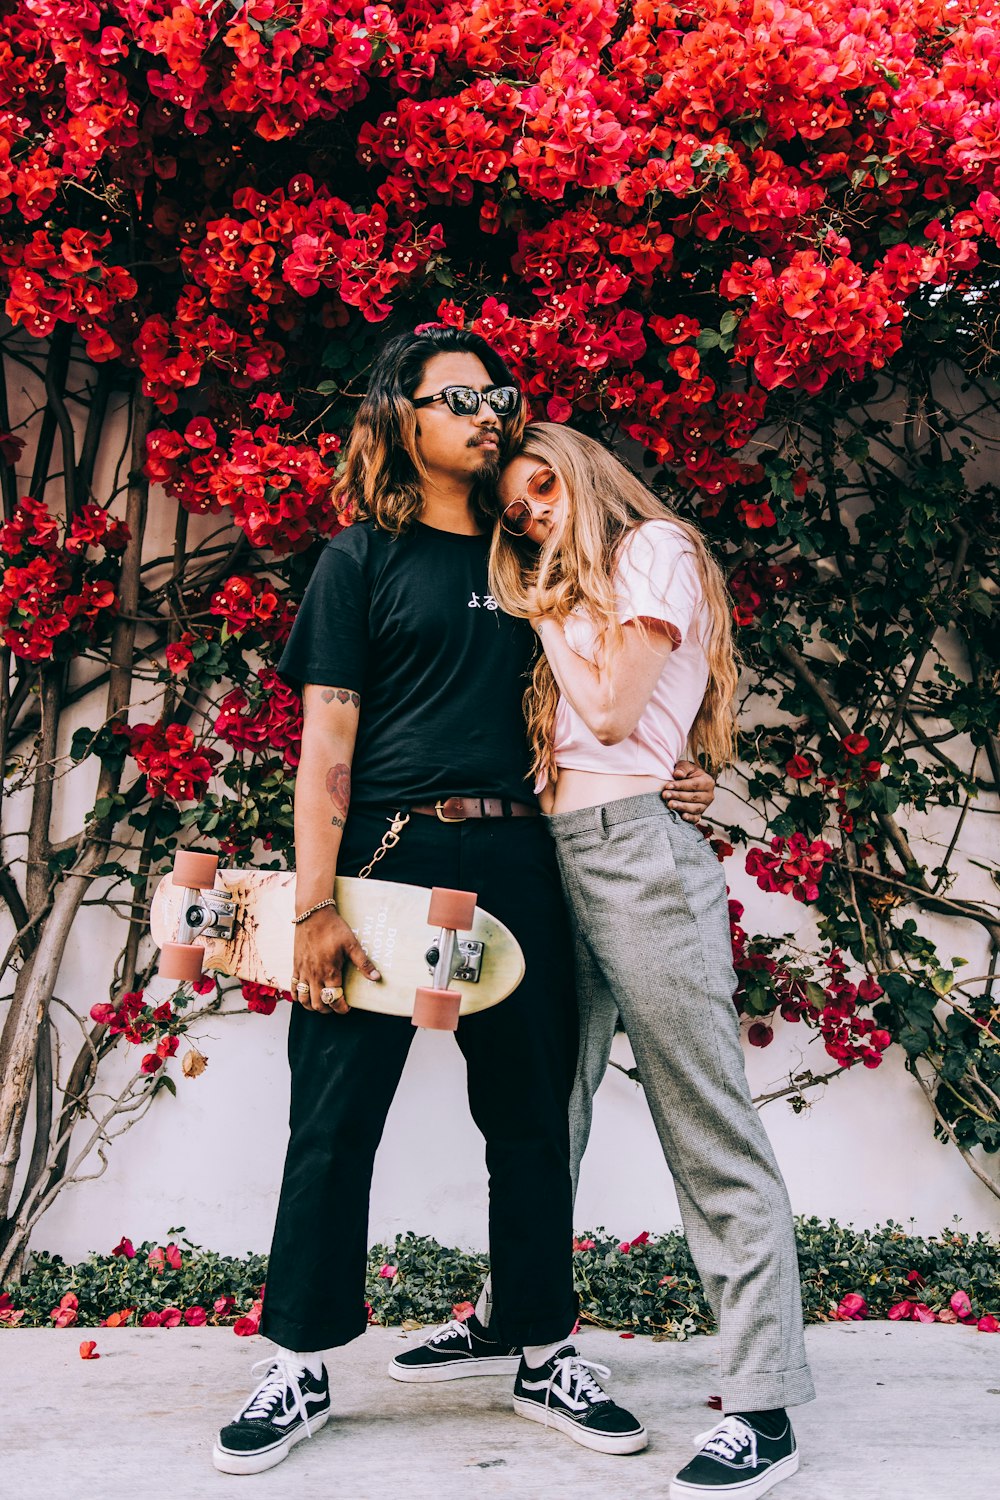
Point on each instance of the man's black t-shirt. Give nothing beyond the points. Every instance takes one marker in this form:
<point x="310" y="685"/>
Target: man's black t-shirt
<point x="409" y="623"/>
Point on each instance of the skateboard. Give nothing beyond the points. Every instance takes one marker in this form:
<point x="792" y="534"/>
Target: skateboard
<point x="440" y="956"/>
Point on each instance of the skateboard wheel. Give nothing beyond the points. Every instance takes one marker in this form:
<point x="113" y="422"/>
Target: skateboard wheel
<point x="452" y="909"/>
<point x="437" y="1010"/>
<point x="196" y="872"/>
<point x="181" y="960"/>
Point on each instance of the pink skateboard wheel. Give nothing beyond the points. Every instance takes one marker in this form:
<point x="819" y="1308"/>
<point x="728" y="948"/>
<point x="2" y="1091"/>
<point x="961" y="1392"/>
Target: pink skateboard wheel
<point x="181" y="960"/>
<point x="196" y="872"/>
<point x="452" y="909"/>
<point x="437" y="1010"/>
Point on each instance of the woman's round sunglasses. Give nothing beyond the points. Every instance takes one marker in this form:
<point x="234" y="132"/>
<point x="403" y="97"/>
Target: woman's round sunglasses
<point x="465" y="400"/>
<point x="540" y="487"/>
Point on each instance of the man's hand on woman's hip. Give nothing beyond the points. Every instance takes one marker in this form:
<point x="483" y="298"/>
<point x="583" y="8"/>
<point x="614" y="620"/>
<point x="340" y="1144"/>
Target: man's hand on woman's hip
<point x="324" y="946"/>
<point x="689" y="791"/>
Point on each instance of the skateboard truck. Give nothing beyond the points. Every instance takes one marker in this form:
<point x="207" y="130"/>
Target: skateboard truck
<point x="206" y="910"/>
<point x="436" y="1007"/>
<point x="468" y="960"/>
<point x="209" y="911"/>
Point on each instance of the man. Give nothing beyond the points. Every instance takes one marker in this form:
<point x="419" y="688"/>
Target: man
<point x="414" y="768"/>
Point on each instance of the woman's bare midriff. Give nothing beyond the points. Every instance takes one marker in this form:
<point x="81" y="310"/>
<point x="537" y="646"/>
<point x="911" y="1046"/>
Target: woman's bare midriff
<point x="576" y="789"/>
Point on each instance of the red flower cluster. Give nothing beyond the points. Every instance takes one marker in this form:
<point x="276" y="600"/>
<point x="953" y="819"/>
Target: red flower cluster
<point x="53" y="597"/>
<point x="278" y="492"/>
<point x="754" y="585"/>
<point x="175" y="766"/>
<point x="273" y="719"/>
<point x="812" y="318"/>
<point x="67" y="280"/>
<point x="174" y="353"/>
<point x="249" y="604"/>
<point x="131" y="1018"/>
<point x="302" y="238"/>
<point x="831" y="1006"/>
<point x="560" y="355"/>
<point x="794" y="867"/>
<point x="262" y="998"/>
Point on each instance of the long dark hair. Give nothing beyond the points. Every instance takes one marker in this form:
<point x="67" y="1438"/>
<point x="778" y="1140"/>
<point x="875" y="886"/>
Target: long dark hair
<point x="382" y="472"/>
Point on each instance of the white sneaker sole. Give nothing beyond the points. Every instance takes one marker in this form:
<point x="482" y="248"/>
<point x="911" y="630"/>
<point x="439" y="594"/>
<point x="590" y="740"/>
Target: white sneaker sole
<point x="497" y="1364"/>
<point x="748" y="1490"/>
<point x="600" y="1442"/>
<point x="256" y="1463"/>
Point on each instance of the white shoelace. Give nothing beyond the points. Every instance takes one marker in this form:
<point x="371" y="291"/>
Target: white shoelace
<point x="728" y="1440"/>
<point x="572" y="1375"/>
<point x="448" y="1331"/>
<point x="283" y="1375"/>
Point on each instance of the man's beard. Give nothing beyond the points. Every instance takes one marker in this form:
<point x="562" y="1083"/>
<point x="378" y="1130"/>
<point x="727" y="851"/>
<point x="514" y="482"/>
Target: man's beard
<point x="489" y="466"/>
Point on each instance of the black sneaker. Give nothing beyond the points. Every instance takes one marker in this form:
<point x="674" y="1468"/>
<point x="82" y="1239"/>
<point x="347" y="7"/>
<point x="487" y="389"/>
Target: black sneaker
<point x="563" y="1393"/>
<point x="289" y="1404"/>
<point x="738" y="1461"/>
<point x="454" y="1352"/>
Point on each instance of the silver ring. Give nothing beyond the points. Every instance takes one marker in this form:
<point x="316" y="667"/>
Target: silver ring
<point x="301" y="988"/>
<point x="331" y="992"/>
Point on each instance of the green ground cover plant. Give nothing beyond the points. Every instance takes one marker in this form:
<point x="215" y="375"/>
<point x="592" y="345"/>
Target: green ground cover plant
<point x="645" y="1285"/>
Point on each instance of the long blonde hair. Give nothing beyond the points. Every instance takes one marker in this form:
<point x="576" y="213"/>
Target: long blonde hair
<point x="576" y="568"/>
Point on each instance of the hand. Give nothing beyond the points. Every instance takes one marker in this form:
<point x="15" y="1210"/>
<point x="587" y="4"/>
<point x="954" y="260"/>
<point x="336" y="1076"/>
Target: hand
<point x="689" y="791"/>
<point x="324" y="946"/>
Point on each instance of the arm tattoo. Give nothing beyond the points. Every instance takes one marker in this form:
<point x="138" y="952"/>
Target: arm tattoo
<point x="338" y="788"/>
<point x="341" y="695"/>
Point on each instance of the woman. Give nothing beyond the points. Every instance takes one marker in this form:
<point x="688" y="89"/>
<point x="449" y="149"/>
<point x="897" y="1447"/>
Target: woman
<point x="638" y="666"/>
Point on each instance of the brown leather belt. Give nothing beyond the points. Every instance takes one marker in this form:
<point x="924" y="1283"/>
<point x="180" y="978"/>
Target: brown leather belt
<point x="457" y="809"/>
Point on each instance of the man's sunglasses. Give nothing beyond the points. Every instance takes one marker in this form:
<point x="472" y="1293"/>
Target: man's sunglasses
<point x="465" y="400"/>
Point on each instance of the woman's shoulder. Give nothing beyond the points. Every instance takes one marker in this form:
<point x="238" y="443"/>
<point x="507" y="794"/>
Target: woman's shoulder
<point x="653" y="543"/>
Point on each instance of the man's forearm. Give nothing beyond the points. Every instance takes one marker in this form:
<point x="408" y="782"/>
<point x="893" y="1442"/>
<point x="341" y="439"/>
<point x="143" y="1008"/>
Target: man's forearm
<point x="323" y="790"/>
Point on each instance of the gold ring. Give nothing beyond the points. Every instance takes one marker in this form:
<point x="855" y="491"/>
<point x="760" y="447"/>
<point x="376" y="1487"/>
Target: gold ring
<point x="331" y="992"/>
<point x="301" y="989"/>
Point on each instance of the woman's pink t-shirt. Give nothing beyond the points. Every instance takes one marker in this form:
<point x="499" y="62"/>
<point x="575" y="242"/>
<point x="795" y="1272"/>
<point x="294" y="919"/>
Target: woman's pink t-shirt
<point x="656" y="579"/>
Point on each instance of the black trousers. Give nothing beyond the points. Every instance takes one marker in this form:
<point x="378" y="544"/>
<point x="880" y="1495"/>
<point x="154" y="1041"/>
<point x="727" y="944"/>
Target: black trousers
<point x="520" y="1057"/>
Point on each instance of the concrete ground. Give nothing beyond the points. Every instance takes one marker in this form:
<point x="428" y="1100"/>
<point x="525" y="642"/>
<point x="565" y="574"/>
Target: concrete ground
<point x="905" y="1412"/>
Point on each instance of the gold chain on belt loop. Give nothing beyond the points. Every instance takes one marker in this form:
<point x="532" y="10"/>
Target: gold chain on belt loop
<point x="391" y="839"/>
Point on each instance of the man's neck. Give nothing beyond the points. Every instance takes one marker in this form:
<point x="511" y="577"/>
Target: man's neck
<point x="447" y="506"/>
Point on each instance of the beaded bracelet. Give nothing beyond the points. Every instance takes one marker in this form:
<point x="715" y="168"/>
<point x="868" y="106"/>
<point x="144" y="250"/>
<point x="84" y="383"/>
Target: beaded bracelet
<point x="330" y="901"/>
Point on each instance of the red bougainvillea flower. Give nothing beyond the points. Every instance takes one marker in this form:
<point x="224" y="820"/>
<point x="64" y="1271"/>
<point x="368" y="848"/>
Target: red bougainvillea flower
<point x="853" y="1307"/>
<point x="262" y="998"/>
<point x="66" y="1314"/>
<point x="800" y="767"/>
<point x="124" y="1247"/>
<point x="855" y="744"/>
<point x="794" y="867"/>
<point x="175" y="766"/>
<point x="88" y="1350"/>
<point x="760" y="1035"/>
<point x="249" y="1324"/>
<point x="462" y="1311"/>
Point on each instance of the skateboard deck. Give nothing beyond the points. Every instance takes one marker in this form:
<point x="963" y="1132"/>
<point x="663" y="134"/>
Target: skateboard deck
<point x="249" y="934"/>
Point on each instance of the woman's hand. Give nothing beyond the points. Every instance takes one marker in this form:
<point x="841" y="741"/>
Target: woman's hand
<point x="689" y="791"/>
<point x="324" y="946"/>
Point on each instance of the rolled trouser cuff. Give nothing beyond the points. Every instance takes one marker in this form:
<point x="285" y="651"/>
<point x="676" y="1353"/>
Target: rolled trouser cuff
<point x="768" y="1390"/>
